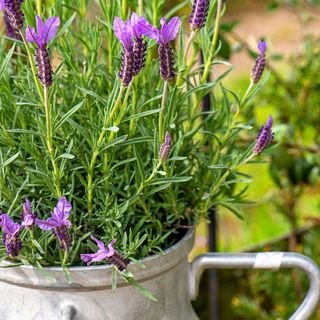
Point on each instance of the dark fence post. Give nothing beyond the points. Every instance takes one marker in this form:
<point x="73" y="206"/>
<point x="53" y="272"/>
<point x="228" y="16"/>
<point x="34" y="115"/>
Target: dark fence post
<point x="212" y="231"/>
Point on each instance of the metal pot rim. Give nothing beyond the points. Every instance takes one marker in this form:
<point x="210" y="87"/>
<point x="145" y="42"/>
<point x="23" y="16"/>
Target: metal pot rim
<point x="98" y="277"/>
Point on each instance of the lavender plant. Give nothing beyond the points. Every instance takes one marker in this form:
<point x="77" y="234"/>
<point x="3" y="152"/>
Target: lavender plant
<point x="126" y="155"/>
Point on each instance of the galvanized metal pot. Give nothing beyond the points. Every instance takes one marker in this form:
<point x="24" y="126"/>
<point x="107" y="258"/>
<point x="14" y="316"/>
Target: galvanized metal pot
<point x="25" y="294"/>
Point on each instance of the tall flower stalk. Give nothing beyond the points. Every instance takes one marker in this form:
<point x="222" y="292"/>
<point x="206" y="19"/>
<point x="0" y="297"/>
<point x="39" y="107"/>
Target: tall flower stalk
<point x="214" y="41"/>
<point x="167" y="33"/>
<point x="257" y="69"/>
<point x="197" y="20"/>
<point x="45" y="32"/>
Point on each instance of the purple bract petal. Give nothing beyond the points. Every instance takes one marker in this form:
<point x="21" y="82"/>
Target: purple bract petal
<point x="40" y="31"/>
<point x="93" y="257"/>
<point x="101" y="254"/>
<point x="269" y="123"/>
<point x="135" y="21"/>
<point x="169" y="31"/>
<point x="8" y="225"/>
<point x="2" y="5"/>
<point x="100" y="244"/>
<point x="123" y="32"/>
<point x="148" y="29"/>
<point x="63" y="208"/>
<point x="111" y="249"/>
<point x="59" y="216"/>
<point x="48" y="224"/>
<point x="45" y="31"/>
<point x="28" y="217"/>
<point x="31" y="35"/>
<point x="51" y="28"/>
<point x="262" y="47"/>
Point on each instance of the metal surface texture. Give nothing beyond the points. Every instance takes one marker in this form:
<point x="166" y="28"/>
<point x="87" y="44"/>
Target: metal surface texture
<point x="28" y="295"/>
<point x="267" y="260"/>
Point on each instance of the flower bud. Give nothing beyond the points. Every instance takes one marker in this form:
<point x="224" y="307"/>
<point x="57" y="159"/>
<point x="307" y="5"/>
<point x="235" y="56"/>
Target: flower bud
<point x="199" y="14"/>
<point x="165" y="148"/>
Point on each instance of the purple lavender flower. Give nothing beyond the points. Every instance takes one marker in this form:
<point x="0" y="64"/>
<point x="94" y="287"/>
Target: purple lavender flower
<point x="264" y="138"/>
<point x="199" y="14"/>
<point x="109" y="254"/>
<point x="27" y="216"/>
<point x="11" y="32"/>
<point x="139" y="46"/>
<point x="59" y="223"/>
<point x="167" y="33"/>
<point x="260" y="64"/>
<point x="165" y="148"/>
<point x="134" y="49"/>
<point x="124" y="33"/>
<point x="13" y="13"/>
<point x="45" y="32"/>
<point x="11" y="233"/>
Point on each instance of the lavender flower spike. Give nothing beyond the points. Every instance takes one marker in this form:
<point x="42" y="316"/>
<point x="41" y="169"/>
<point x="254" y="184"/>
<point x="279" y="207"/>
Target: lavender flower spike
<point x="264" y="138"/>
<point x="260" y="64"/>
<point x="27" y="216"/>
<point x="165" y="148"/>
<point x="167" y="33"/>
<point x="124" y="33"/>
<point x="59" y="223"/>
<point x="199" y="14"/>
<point x="109" y="254"/>
<point x="11" y="32"/>
<point x="11" y="234"/>
<point x="45" y="32"/>
<point x="13" y="13"/>
<point x="139" y="45"/>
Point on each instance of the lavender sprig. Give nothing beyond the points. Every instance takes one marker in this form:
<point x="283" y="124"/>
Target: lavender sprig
<point x="13" y="13"/>
<point x="165" y="148"/>
<point x="27" y="216"/>
<point x="198" y="16"/>
<point x="134" y="48"/>
<point x="264" y="138"/>
<point x="11" y="234"/>
<point x="59" y="223"/>
<point x="109" y="254"/>
<point x="45" y="32"/>
<point x="260" y="63"/>
<point x="11" y="32"/>
<point x="164" y="36"/>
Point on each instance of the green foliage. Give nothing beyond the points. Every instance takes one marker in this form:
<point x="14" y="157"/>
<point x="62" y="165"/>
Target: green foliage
<point x="106" y="138"/>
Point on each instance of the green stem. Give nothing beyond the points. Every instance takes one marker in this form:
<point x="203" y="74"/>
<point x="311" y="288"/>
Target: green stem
<point x="33" y="67"/>
<point x="49" y="140"/>
<point x="144" y="183"/>
<point x="39" y="7"/>
<point x="190" y="40"/>
<point x="65" y="258"/>
<point x="97" y="149"/>
<point x="244" y="98"/>
<point x="155" y="12"/>
<point x="124" y="9"/>
<point x="161" y="114"/>
<point x="140" y="8"/>
<point x="214" y="42"/>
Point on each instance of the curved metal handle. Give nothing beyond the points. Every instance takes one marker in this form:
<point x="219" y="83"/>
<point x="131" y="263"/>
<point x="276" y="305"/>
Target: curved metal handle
<point x="68" y="312"/>
<point x="263" y="260"/>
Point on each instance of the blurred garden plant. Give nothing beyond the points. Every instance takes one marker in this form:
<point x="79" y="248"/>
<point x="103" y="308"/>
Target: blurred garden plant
<point x="294" y="168"/>
<point x="114" y="142"/>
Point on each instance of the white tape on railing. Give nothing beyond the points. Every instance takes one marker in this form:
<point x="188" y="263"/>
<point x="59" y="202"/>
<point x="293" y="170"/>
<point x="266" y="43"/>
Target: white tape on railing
<point x="268" y="260"/>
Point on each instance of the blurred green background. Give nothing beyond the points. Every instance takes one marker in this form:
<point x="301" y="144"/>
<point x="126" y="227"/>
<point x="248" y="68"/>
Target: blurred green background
<point x="285" y="191"/>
